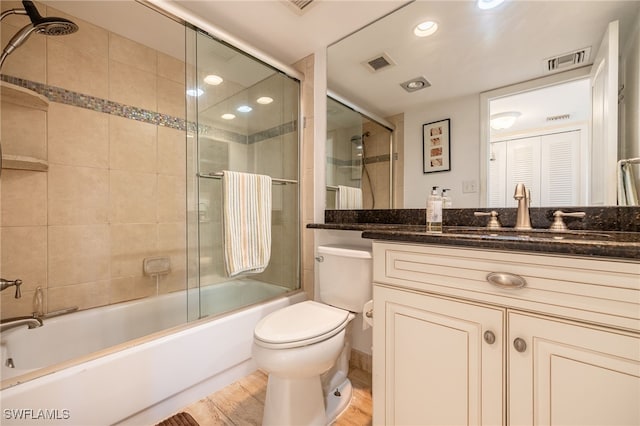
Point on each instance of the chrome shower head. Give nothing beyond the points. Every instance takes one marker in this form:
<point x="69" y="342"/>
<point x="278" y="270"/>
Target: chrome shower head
<point x="51" y="26"/>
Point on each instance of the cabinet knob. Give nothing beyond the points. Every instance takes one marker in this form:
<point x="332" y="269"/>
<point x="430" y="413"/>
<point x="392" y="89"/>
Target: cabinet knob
<point x="520" y="344"/>
<point x="489" y="337"/>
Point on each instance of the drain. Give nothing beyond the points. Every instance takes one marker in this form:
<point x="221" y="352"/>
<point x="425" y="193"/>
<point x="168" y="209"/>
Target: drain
<point x="336" y="393"/>
<point x="9" y="363"/>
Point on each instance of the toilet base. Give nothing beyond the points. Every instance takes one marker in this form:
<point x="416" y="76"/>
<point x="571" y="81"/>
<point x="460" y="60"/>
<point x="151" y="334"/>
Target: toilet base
<point x="294" y="401"/>
<point x="338" y="400"/>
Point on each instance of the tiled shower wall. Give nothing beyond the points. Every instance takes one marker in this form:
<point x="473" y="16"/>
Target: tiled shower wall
<point x="114" y="193"/>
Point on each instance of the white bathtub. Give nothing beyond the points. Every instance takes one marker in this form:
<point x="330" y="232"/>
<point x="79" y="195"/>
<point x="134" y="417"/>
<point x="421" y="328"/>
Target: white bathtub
<point x="140" y="381"/>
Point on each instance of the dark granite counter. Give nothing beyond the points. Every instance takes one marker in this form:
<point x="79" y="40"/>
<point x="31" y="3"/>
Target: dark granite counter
<point x="610" y="232"/>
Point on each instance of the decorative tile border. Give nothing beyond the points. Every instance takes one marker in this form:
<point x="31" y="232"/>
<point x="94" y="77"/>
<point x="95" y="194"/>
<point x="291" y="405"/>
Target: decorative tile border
<point x="80" y="100"/>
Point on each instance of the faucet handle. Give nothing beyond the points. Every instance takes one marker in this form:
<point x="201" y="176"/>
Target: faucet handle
<point x="558" y="224"/>
<point x="493" y="222"/>
<point x="8" y="283"/>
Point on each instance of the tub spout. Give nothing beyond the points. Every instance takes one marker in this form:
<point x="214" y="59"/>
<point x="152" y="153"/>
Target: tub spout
<point x="29" y="321"/>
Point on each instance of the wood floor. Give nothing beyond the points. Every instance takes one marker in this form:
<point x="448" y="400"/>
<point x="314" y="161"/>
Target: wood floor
<point x="242" y="402"/>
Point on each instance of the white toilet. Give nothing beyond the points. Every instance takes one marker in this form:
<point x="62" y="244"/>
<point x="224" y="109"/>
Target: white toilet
<point x="303" y="347"/>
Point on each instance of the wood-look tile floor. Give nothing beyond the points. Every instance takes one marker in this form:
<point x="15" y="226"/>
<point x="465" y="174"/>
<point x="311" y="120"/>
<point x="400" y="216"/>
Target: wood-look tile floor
<point x="242" y="403"/>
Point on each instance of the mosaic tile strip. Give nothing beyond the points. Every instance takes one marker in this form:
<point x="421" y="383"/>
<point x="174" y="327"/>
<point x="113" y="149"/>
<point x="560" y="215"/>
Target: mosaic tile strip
<point x="68" y="97"/>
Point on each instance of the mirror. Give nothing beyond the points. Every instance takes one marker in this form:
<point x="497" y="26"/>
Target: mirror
<point x="475" y="52"/>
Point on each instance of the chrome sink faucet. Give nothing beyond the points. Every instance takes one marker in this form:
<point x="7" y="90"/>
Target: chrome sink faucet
<point x="523" y="196"/>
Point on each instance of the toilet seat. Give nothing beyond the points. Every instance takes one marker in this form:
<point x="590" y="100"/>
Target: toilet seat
<point x="300" y="325"/>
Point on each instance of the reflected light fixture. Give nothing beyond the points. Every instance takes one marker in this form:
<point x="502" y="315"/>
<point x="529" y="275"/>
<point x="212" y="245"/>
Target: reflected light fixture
<point x="228" y="116"/>
<point x="264" y="100"/>
<point x="425" y="29"/>
<point x="489" y="4"/>
<point x="195" y="92"/>
<point x="504" y="120"/>
<point x="244" y="108"/>
<point x="213" y="79"/>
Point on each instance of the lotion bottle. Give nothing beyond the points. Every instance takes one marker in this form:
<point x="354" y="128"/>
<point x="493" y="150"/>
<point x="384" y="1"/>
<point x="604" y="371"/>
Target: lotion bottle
<point x="434" y="211"/>
<point x="447" y="202"/>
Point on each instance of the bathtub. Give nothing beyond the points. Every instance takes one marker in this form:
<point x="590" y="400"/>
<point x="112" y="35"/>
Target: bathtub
<point x="104" y="368"/>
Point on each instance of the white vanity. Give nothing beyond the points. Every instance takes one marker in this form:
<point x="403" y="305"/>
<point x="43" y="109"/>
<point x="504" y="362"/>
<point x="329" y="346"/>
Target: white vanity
<point x="451" y="348"/>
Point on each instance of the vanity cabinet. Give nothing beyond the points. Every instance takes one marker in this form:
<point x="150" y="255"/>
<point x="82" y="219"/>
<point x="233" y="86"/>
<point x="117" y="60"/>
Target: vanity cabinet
<point x="450" y="348"/>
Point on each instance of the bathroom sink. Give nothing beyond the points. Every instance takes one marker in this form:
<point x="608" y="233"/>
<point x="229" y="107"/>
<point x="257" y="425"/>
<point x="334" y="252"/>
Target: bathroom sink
<point x="531" y="234"/>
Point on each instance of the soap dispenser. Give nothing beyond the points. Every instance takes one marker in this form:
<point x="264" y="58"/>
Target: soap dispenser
<point x="434" y="211"/>
<point x="447" y="202"/>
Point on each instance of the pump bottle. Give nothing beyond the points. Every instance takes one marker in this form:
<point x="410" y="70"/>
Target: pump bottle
<point x="434" y="211"/>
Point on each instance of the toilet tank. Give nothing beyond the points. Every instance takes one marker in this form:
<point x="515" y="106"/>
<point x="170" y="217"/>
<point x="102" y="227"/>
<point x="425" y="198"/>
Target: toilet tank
<point x="345" y="276"/>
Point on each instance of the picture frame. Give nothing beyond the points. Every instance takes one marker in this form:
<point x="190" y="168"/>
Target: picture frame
<point x="436" y="146"/>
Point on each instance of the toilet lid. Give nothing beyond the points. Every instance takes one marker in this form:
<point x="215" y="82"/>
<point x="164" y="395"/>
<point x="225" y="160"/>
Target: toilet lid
<point x="307" y="321"/>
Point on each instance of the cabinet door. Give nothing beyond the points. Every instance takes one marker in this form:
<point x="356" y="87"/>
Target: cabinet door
<point x="431" y="364"/>
<point x="571" y="374"/>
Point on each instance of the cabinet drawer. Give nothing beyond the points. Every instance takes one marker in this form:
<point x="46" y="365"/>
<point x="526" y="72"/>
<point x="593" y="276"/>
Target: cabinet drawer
<point x="600" y="291"/>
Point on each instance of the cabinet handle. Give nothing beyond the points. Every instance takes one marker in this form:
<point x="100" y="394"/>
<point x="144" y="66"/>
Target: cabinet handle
<point x="489" y="337"/>
<point x="520" y="344"/>
<point x="506" y="280"/>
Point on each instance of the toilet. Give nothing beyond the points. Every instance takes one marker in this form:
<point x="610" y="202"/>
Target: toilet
<point x="304" y="348"/>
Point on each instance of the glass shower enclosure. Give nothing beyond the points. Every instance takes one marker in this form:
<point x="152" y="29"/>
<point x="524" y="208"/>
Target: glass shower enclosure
<point x="243" y="116"/>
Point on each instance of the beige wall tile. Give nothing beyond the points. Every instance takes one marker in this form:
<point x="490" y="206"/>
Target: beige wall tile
<point x="84" y="296"/>
<point x="90" y="39"/>
<point x="171" y="199"/>
<point x="131" y="86"/>
<point x="78" y="195"/>
<point x="171" y="68"/>
<point x="24" y="198"/>
<point x="132" y="145"/>
<point x="131" y="288"/>
<point x="130" y="244"/>
<point x="12" y="307"/>
<point x="171" y="151"/>
<point x="78" y="254"/>
<point x="78" y="136"/>
<point x="24" y="131"/>
<point x="25" y="256"/>
<point x="172" y="242"/>
<point x="76" y="69"/>
<point x="133" y="197"/>
<point x="171" y="98"/>
<point x="132" y="53"/>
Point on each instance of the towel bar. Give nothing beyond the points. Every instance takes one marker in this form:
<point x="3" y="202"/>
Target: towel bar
<point x="218" y="175"/>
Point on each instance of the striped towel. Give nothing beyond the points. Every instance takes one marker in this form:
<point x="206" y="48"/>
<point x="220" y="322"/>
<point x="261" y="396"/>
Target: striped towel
<point x="349" y="197"/>
<point x="246" y="222"/>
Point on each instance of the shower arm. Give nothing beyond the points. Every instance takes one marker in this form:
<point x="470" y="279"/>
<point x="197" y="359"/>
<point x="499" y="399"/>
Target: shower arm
<point x="12" y="12"/>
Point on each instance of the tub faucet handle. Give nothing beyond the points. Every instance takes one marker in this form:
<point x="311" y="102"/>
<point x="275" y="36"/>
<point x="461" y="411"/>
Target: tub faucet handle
<point x="8" y="283"/>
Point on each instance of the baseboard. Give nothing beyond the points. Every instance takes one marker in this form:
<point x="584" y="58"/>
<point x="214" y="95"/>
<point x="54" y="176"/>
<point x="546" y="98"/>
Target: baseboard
<point x="360" y="360"/>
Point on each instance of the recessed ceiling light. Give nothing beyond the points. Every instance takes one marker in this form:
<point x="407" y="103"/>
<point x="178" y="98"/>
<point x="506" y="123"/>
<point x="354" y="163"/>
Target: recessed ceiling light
<point x="425" y="28"/>
<point x="213" y="79"/>
<point x="228" y="116"/>
<point x="195" y="92"/>
<point x="244" y="108"/>
<point x="415" y="84"/>
<point x="489" y="4"/>
<point x="264" y="100"/>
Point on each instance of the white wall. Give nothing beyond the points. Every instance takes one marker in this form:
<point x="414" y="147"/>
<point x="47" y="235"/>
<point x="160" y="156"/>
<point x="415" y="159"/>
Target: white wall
<point x="631" y="67"/>
<point x="465" y="152"/>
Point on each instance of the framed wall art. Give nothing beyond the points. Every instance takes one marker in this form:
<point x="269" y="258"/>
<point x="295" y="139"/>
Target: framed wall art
<point x="436" y="146"/>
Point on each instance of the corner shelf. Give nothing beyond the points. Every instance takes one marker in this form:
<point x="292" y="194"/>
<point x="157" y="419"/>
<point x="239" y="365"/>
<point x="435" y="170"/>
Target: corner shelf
<point x="24" y="97"/>
<point x="21" y="162"/>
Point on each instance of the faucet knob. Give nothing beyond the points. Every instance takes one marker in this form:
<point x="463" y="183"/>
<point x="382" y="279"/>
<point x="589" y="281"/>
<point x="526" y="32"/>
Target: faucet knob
<point x="493" y="222"/>
<point x="558" y="224"/>
<point x="8" y="283"/>
<point x="18" y="283"/>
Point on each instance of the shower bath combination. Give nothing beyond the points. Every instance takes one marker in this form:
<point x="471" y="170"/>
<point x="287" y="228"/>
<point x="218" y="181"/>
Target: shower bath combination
<point x="42" y="25"/>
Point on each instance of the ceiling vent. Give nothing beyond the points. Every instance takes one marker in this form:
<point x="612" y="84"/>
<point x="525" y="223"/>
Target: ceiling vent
<point x="559" y="117"/>
<point x="567" y="60"/>
<point x="299" y="6"/>
<point x="378" y="62"/>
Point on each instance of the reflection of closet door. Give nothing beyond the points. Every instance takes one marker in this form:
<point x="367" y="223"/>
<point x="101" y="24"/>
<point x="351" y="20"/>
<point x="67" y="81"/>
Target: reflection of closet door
<point x="523" y="165"/>
<point x="497" y="174"/>
<point x="560" y="169"/>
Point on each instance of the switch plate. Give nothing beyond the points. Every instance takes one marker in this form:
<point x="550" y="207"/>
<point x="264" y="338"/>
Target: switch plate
<point x="469" y="186"/>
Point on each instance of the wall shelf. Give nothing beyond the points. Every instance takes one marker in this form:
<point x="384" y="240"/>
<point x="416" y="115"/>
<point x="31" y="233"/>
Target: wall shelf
<point x="21" y="162"/>
<point x="23" y="97"/>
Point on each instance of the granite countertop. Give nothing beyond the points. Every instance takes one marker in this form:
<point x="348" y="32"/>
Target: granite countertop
<point x="579" y="240"/>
